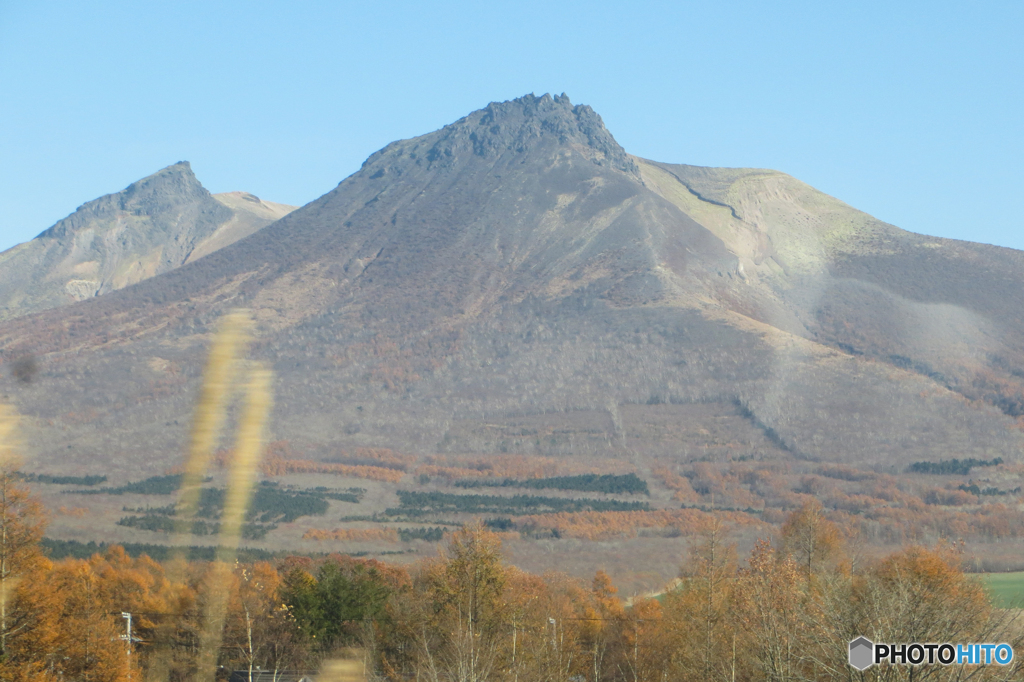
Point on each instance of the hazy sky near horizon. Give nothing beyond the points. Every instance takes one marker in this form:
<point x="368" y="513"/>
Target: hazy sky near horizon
<point x="909" y="111"/>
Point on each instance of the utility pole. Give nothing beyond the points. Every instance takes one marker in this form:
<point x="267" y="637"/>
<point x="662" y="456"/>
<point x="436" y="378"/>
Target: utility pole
<point x="127" y="638"/>
<point x="555" y="662"/>
<point x="514" y="667"/>
<point x="734" y="657"/>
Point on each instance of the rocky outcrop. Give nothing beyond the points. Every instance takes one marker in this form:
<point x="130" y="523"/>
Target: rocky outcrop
<point x="152" y="226"/>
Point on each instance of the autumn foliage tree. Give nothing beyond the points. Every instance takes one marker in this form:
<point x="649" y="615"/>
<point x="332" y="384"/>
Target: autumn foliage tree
<point x="22" y="522"/>
<point x="786" y="613"/>
<point x="810" y="537"/>
<point x="770" y="614"/>
<point x="640" y="649"/>
<point x="72" y="612"/>
<point x="260" y="631"/>
<point x="461" y="638"/>
<point x="922" y="595"/>
<point x="602" y="615"/>
<point x="700" y="606"/>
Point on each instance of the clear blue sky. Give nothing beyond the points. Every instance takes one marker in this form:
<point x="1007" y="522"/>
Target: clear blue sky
<point x="911" y="111"/>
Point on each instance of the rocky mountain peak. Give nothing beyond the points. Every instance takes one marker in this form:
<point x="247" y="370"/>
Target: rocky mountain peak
<point x="176" y="180"/>
<point x="163" y="191"/>
<point x="521" y="126"/>
<point x="154" y="225"/>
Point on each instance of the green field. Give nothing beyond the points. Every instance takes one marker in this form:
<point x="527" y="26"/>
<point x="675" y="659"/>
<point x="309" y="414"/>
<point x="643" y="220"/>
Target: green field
<point x="1007" y="589"/>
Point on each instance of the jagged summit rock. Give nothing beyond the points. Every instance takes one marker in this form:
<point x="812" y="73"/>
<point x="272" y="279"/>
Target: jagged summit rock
<point x="152" y="226"/>
<point x="165" y="199"/>
<point x="516" y="127"/>
<point x="162" y="197"/>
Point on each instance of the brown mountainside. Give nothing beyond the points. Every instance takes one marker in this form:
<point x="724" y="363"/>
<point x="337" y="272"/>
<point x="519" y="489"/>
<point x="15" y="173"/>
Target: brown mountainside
<point x="516" y="282"/>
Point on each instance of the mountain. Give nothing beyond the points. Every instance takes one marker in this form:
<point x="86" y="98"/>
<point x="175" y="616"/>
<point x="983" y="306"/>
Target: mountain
<point x="516" y="282"/>
<point x="152" y="226"/>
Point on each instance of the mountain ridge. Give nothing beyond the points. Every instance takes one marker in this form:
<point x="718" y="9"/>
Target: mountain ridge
<point x="454" y="282"/>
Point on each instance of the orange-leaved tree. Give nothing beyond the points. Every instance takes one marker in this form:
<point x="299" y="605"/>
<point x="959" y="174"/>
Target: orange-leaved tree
<point x="698" y="609"/>
<point x="922" y="595"/>
<point x="260" y="631"/>
<point x="769" y="603"/>
<point x="463" y="634"/>
<point x="811" y="538"/>
<point x="22" y="522"/>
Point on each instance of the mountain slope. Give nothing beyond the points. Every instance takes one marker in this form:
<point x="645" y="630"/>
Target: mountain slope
<point x="518" y="265"/>
<point x="152" y="226"/>
<point x="946" y="309"/>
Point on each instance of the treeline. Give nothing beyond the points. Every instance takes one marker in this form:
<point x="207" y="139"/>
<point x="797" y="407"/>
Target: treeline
<point x="167" y="524"/>
<point x="787" y="612"/>
<point x="60" y="480"/>
<point x="421" y="503"/>
<point x="275" y="466"/>
<point x="960" y="467"/>
<point x="154" y="485"/>
<point x="974" y="489"/>
<point x="435" y="534"/>
<point x="596" y="483"/>
<point x="380" y="534"/>
<point x="378" y="457"/>
<point x="353" y="495"/>
<point x="270" y="506"/>
<point x="56" y="550"/>
<point x="497" y="467"/>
